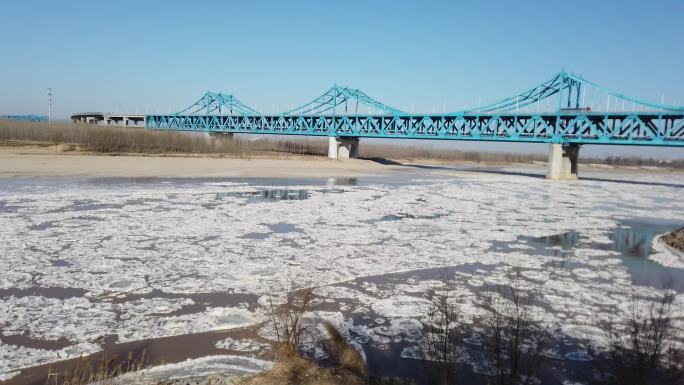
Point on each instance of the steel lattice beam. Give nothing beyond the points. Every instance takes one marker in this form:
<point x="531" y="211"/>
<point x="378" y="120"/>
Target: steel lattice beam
<point x="632" y="129"/>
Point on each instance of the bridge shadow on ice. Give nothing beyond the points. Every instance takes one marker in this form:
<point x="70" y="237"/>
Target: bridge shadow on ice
<point x="500" y="171"/>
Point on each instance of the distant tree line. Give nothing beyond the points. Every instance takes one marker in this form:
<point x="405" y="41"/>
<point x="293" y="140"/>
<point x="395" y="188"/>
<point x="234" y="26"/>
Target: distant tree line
<point x="639" y="161"/>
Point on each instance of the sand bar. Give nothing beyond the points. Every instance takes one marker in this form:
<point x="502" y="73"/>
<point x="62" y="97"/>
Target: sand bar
<point x="46" y="161"/>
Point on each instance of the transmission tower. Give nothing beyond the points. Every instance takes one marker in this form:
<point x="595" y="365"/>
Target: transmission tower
<point x="49" y="94"/>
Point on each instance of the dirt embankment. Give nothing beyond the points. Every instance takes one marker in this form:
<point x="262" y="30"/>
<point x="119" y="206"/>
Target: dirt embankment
<point x="675" y="239"/>
<point x="32" y="161"/>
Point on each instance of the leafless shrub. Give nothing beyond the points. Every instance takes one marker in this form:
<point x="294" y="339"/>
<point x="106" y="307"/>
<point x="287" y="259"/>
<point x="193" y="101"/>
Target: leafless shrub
<point x="513" y="340"/>
<point x="441" y="343"/>
<point x="89" y="371"/>
<point x="642" y="347"/>
<point x="287" y="318"/>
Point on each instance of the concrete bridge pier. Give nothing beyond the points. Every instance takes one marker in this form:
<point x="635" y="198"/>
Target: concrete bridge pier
<point x="563" y="161"/>
<point x="343" y="148"/>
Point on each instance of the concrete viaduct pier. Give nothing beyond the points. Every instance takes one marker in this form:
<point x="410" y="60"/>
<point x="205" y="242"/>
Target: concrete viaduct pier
<point x="343" y="147"/>
<point x="563" y="161"/>
<point x="105" y="119"/>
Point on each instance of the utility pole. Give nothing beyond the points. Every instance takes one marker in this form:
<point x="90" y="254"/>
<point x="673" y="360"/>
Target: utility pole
<point x="49" y="93"/>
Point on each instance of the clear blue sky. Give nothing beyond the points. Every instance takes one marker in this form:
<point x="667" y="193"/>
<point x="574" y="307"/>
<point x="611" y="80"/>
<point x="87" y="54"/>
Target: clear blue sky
<point x="162" y="55"/>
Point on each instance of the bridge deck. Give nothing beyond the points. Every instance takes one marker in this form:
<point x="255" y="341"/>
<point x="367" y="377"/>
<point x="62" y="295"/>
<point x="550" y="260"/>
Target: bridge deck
<point x="656" y="129"/>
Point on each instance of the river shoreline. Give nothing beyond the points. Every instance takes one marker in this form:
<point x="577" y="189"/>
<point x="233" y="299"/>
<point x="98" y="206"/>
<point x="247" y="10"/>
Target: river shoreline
<point x="675" y="241"/>
<point x="22" y="161"/>
<point x="34" y="161"/>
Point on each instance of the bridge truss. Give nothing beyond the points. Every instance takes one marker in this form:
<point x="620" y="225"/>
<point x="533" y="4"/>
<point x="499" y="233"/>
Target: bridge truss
<point x="565" y="109"/>
<point x="25" y="118"/>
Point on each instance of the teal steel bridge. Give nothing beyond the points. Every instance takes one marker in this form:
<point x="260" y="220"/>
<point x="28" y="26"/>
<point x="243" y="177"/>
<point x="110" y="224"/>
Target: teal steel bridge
<point x="566" y="109"/>
<point x="26" y="118"/>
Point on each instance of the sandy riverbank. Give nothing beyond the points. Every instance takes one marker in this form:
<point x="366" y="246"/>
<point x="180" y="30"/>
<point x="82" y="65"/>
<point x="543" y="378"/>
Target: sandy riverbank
<point x="20" y="161"/>
<point x="33" y="161"/>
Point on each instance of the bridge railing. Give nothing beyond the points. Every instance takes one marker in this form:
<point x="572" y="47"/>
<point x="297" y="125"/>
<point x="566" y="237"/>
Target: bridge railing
<point x="635" y="129"/>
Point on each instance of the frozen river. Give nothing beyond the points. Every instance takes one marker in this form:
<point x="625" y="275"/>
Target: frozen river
<point x="85" y="259"/>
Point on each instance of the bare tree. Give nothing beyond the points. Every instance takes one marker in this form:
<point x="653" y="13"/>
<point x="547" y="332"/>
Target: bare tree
<point x="641" y="347"/>
<point x="287" y="318"/>
<point x="442" y="353"/>
<point x="514" y="341"/>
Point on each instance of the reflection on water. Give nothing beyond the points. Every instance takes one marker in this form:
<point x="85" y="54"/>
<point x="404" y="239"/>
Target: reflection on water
<point x="256" y="235"/>
<point x="400" y="216"/>
<point x="342" y="182"/>
<point x="565" y="240"/>
<point x="60" y="263"/>
<point x="276" y="228"/>
<point x="283" y="228"/>
<point x="7" y="208"/>
<point x="36" y="343"/>
<point x="47" y="292"/>
<point x="271" y="194"/>
<point x="633" y="240"/>
<point x="636" y="242"/>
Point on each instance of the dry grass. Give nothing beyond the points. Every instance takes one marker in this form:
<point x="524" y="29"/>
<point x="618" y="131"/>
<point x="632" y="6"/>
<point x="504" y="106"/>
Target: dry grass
<point x="90" y="371"/>
<point x="447" y="155"/>
<point x="342" y="353"/>
<point x="675" y="239"/>
<point x="112" y="139"/>
<point x="291" y="368"/>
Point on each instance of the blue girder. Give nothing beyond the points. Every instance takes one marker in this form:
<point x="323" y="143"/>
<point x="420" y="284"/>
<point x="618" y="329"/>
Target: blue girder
<point x="591" y="128"/>
<point x="26" y="118"/>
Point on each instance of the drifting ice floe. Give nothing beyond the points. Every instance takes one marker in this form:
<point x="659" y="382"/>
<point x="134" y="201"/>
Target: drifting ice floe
<point x="161" y="240"/>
